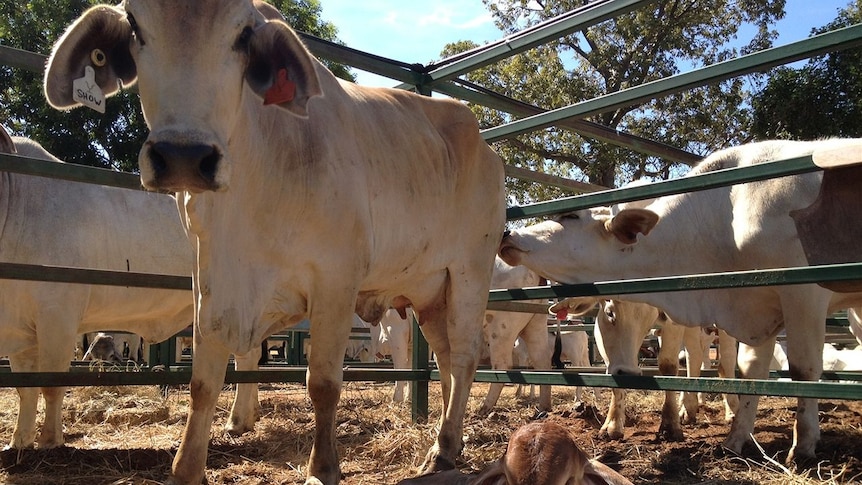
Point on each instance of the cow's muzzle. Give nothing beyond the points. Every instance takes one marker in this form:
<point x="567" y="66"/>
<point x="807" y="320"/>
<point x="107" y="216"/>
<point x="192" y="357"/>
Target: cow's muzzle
<point x="191" y="167"/>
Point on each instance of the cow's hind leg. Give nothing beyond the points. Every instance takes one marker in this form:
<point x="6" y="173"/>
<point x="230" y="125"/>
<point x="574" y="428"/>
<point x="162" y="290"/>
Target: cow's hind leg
<point x="434" y="329"/>
<point x="208" y="372"/>
<point x="805" y="336"/>
<point x="466" y="298"/>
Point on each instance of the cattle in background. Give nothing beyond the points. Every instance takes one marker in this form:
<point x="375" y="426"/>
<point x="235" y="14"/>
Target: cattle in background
<point x="393" y="336"/>
<point x="834" y="359"/>
<point x="501" y="329"/>
<point x="620" y="329"/>
<point x="305" y="196"/>
<point x="102" y="347"/>
<point x="724" y="229"/>
<point x="575" y="349"/>
<point x="114" y="346"/>
<point x="102" y="228"/>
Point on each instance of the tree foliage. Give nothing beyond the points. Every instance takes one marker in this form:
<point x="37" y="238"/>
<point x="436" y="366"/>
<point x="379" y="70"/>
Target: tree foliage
<point x="650" y="43"/>
<point x="823" y="98"/>
<point x="83" y="136"/>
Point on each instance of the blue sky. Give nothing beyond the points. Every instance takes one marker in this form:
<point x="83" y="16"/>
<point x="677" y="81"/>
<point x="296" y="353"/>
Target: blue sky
<point x="416" y="32"/>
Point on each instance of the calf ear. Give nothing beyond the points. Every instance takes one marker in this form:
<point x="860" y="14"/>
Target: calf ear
<point x="99" y="39"/>
<point x="597" y="473"/>
<point x="280" y="68"/>
<point x="6" y="145"/>
<point x="626" y="225"/>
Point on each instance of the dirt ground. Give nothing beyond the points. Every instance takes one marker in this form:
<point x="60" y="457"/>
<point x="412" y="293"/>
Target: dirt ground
<point x="123" y="436"/>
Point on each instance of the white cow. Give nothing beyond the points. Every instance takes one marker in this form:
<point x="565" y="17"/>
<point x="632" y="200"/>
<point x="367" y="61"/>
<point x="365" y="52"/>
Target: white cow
<point x="726" y="229"/>
<point x="305" y="196"/>
<point x="620" y="329"/>
<point x="393" y="336"/>
<point x="501" y="329"/>
<point x="81" y="225"/>
<point x="102" y="228"/>
<point x="833" y="359"/>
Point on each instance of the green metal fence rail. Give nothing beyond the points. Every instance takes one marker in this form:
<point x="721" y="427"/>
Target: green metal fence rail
<point x="443" y="77"/>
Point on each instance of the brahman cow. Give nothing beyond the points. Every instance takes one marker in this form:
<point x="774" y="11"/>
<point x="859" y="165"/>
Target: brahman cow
<point x="304" y="195"/>
<point x="743" y="227"/>
<point x="60" y="223"/>
<point x="620" y="329"/>
<point x="538" y="453"/>
<point x="501" y="329"/>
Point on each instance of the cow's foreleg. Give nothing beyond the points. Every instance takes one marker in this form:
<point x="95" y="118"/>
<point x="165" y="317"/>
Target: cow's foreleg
<point x="208" y="371"/>
<point x="330" y="331"/>
<point x="28" y="401"/>
<point x="615" y="422"/>
<point x="246" y="406"/>
<point x="694" y="359"/>
<point x="535" y="336"/>
<point x="753" y="364"/>
<point x="668" y="365"/>
<point x="727" y="368"/>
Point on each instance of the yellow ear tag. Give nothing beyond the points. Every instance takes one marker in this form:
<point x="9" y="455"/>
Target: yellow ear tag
<point x="87" y="92"/>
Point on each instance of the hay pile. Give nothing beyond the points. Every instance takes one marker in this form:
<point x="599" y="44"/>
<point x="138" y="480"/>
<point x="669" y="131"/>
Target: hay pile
<point x="127" y="436"/>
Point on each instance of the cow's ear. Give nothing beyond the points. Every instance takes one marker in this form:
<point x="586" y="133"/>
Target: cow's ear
<point x="626" y="225"/>
<point x="99" y="39"/>
<point x="280" y="68"/>
<point x="6" y="145"/>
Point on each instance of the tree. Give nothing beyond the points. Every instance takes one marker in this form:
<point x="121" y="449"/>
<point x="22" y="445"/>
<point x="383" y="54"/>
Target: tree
<point x="823" y="98"/>
<point x="83" y="136"/>
<point x="650" y="43"/>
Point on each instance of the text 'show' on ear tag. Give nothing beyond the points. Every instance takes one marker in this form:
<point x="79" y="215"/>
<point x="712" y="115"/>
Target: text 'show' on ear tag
<point x="283" y="90"/>
<point x="87" y="92"/>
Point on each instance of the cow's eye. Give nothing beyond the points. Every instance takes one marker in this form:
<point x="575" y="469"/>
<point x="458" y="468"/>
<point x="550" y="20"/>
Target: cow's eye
<point x="568" y="215"/>
<point x="244" y="38"/>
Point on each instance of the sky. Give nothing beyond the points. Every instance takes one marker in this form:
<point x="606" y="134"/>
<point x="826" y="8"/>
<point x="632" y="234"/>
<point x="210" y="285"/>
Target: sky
<point x="416" y="32"/>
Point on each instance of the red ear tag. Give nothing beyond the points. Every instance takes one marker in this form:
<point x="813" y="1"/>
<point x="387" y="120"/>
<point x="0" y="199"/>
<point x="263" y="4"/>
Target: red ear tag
<point x="562" y="314"/>
<point x="282" y="91"/>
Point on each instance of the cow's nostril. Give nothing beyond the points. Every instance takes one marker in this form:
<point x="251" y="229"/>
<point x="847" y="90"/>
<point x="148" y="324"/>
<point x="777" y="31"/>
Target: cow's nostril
<point x="157" y="161"/>
<point x="209" y="165"/>
<point x="172" y="160"/>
